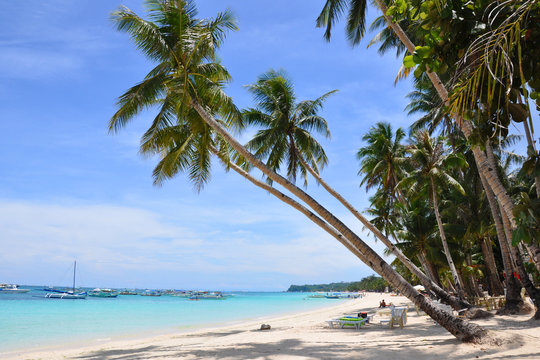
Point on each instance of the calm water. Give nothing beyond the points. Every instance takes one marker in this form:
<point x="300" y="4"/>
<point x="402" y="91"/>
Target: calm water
<point x="30" y="321"/>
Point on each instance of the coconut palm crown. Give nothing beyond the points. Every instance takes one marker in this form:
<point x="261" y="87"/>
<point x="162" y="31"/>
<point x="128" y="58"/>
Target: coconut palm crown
<point x="285" y="125"/>
<point x="187" y="71"/>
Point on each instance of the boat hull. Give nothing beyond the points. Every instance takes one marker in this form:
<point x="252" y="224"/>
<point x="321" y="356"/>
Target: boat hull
<point x="65" y="296"/>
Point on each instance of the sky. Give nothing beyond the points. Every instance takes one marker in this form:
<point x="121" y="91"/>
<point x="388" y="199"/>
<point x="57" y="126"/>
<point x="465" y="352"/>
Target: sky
<point x="71" y="191"/>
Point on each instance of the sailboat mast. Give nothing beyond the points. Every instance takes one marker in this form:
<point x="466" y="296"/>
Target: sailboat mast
<point x="74" y="268"/>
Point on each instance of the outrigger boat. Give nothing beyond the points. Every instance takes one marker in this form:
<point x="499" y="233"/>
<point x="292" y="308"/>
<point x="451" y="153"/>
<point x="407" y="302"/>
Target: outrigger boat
<point x="67" y="294"/>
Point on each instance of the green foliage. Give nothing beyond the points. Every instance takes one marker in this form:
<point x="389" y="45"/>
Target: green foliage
<point x="370" y="283"/>
<point x="527" y="215"/>
<point x="187" y="71"/>
<point x="286" y="126"/>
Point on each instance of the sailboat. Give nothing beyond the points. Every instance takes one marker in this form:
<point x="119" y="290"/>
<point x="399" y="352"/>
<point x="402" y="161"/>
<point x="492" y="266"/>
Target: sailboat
<point x="68" y="294"/>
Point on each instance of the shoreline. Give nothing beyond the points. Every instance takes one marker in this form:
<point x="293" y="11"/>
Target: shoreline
<point x="156" y="334"/>
<point x="305" y="335"/>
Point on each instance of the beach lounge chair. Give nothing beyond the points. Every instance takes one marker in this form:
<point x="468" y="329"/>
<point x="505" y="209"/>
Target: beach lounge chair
<point x="347" y="322"/>
<point x="398" y="316"/>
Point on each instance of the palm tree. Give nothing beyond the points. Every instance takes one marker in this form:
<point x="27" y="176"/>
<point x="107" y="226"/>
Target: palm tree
<point x="431" y="163"/>
<point x="285" y="138"/>
<point x="382" y="159"/>
<point x="286" y="126"/>
<point x="187" y="72"/>
<point x="416" y="226"/>
<point x="355" y="28"/>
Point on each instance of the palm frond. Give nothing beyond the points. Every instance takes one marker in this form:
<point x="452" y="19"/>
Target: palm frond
<point x="329" y="15"/>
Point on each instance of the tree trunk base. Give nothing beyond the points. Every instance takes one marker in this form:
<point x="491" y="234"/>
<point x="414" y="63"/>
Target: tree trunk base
<point x="476" y="313"/>
<point x="515" y="307"/>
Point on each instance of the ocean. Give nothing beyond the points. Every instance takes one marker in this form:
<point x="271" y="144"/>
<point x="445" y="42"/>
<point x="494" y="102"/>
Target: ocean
<point x="30" y="321"/>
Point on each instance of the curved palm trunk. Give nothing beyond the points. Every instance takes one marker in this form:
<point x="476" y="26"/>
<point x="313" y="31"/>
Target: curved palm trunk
<point x="534" y="251"/>
<point x="473" y="282"/>
<point x="428" y="267"/>
<point x="501" y="236"/>
<point x="457" y="281"/>
<point x="530" y="143"/>
<point x="456" y="303"/>
<point x="480" y="158"/>
<point x="513" y="296"/>
<point x="491" y="267"/>
<point x="532" y="291"/>
<point x="295" y="204"/>
<point x="463" y="330"/>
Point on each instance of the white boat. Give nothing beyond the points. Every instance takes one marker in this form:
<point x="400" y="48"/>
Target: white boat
<point x="68" y="294"/>
<point x="103" y="293"/>
<point x="208" y="296"/>
<point x="12" y="289"/>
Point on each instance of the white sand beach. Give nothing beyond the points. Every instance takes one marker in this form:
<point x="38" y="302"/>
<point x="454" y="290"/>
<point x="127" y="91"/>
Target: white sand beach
<point x="307" y="336"/>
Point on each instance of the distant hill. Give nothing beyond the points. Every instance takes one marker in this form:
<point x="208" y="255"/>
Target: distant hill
<point x="370" y="283"/>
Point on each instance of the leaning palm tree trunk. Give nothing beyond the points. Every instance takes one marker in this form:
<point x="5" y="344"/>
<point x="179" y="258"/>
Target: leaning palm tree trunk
<point x="530" y="143"/>
<point x="455" y="275"/>
<point x="428" y="268"/>
<point x="534" y="251"/>
<point x="480" y="158"/>
<point x="293" y="203"/>
<point x="513" y="298"/>
<point x="489" y="260"/>
<point x="463" y="330"/>
<point x="456" y="303"/>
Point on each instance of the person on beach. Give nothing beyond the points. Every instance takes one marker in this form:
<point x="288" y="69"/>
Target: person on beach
<point x="382" y="304"/>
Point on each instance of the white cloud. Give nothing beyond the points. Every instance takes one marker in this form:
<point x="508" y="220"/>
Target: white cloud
<point x="115" y="245"/>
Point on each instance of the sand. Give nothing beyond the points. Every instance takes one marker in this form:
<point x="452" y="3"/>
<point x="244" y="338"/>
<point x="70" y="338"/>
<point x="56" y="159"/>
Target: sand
<point x="307" y="336"/>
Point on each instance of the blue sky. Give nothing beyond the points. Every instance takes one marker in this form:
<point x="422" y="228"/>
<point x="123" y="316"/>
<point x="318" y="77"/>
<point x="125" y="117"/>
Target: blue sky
<point x="68" y="190"/>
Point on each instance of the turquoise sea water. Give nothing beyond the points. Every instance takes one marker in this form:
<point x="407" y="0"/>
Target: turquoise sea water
<point x="30" y="321"/>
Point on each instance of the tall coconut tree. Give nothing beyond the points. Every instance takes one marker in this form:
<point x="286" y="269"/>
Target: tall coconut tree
<point x="355" y="30"/>
<point x="431" y="163"/>
<point x="417" y="221"/>
<point x="285" y="138"/>
<point x="382" y="159"/>
<point x="286" y="126"/>
<point x="182" y="44"/>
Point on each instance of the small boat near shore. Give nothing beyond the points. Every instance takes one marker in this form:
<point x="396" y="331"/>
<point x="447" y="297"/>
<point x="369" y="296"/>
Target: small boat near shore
<point x="67" y="294"/>
<point x="12" y="289"/>
<point x="218" y="295"/>
<point x="128" y="292"/>
<point x="103" y="293"/>
<point x="342" y="295"/>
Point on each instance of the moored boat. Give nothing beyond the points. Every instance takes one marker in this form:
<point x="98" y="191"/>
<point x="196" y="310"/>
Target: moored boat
<point x="103" y="293"/>
<point x="68" y="294"/>
<point x="218" y="295"/>
<point x="150" y="293"/>
<point x="128" y="292"/>
<point x="12" y="289"/>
